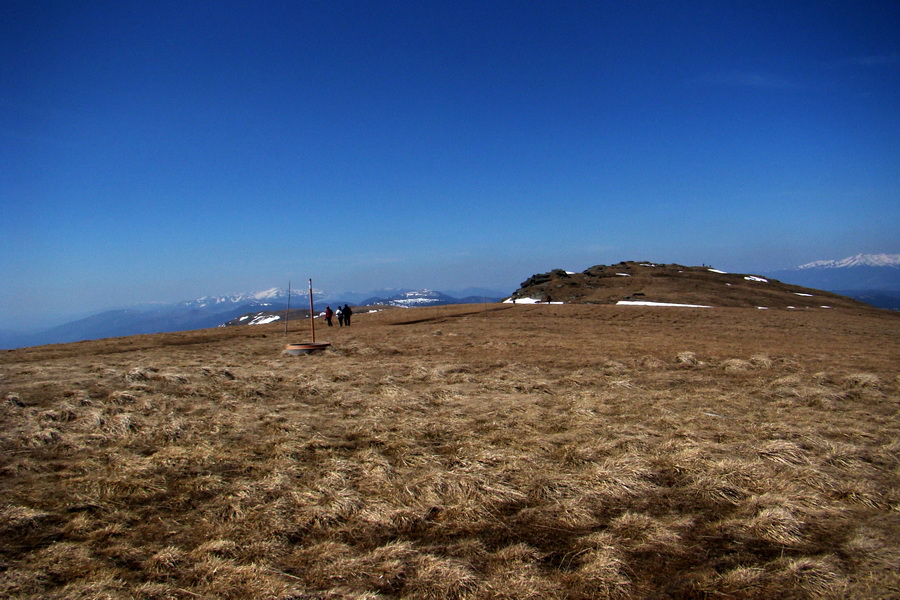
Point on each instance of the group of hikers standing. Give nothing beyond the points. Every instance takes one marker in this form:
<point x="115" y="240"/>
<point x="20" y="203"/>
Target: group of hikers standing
<point x="343" y="315"/>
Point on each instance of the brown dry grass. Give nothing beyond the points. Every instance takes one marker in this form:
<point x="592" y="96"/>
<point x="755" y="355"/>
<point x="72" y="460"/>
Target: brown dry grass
<point x="492" y="452"/>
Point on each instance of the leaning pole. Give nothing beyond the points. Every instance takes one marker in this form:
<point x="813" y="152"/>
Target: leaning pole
<point x="308" y="348"/>
<point x="287" y="312"/>
<point x="312" y="322"/>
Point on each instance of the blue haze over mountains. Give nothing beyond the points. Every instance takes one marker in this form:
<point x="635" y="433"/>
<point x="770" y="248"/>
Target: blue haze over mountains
<point x="214" y="311"/>
<point x="874" y="279"/>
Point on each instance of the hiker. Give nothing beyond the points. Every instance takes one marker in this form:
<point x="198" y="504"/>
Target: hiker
<point x="340" y="316"/>
<point x="347" y="313"/>
<point x="328" y="314"/>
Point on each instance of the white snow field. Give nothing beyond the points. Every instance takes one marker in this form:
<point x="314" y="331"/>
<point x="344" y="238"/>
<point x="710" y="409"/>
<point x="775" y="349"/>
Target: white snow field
<point x="527" y="301"/>
<point x="646" y="303"/>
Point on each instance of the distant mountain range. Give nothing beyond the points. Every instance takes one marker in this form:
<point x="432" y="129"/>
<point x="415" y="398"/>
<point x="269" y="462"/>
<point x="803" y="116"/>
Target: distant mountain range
<point x="400" y="299"/>
<point x="870" y="278"/>
<point x="213" y="311"/>
<point x="418" y="298"/>
<point x="860" y="260"/>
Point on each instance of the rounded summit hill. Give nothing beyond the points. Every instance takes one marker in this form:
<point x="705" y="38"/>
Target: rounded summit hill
<point x="653" y="283"/>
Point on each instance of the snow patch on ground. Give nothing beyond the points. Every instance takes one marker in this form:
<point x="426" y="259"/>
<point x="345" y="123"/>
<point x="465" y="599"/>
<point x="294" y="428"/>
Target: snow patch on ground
<point x="623" y="274"/>
<point x="717" y="271"/>
<point x="646" y="303"/>
<point x="807" y="295"/>
<point x="527" y="301"/>
<point x="754" y="278"/>
<point x="261" y="320"/>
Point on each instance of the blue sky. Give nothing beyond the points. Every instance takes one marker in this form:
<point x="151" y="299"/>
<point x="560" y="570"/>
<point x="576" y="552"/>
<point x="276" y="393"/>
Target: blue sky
<point x="160" y="151"/>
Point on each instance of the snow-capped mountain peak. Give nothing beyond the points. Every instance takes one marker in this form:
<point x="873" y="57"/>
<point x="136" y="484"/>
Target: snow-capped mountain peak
<point x="860" y="260"/>
<point x="413" y="298"/>
<point x="263" y="297"/>
<point x="267" y="294"/>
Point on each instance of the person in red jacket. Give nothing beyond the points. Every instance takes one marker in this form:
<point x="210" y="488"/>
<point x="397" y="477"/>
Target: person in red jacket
<point x="328" y="314"/>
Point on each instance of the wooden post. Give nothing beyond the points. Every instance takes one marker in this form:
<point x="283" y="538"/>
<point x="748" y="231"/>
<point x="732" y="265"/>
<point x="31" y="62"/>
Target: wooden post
<point x="287" y="313"/>
<point x="312" y="323"/>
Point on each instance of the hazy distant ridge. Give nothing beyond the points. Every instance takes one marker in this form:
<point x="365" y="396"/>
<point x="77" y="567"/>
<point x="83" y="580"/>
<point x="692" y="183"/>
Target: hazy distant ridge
<point x="860" y="260"/>
<point x="212" y="311"/>
<point x="870" y="278"/>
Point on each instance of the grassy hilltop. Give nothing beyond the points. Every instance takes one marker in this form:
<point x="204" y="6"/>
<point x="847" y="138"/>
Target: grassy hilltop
<point x="483" y="452"/>
<point x="674" y="283"/>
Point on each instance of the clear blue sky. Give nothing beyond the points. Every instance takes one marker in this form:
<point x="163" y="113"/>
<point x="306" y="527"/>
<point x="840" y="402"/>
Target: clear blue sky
<point x="160" y="151"/>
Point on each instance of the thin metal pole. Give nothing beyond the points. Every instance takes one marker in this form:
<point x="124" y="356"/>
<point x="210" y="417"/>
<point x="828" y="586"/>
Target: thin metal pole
<point x="287" y="312"/>
<point x="312" y="322"/>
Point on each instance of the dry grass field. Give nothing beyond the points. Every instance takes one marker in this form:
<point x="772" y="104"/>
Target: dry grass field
<point x="463" y="452"/>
